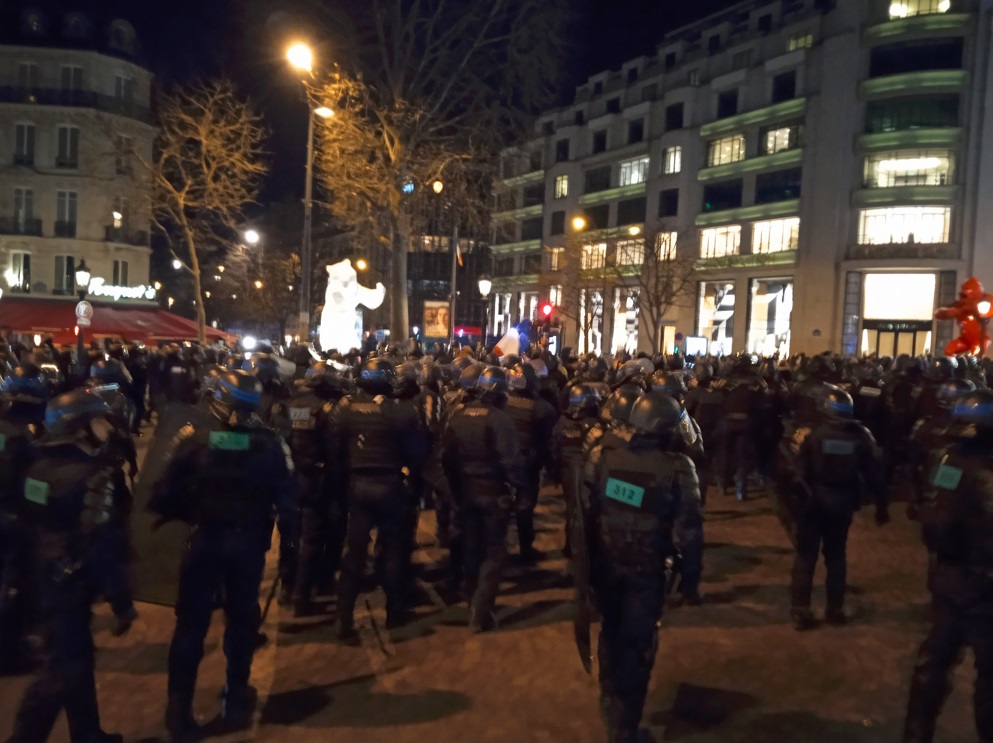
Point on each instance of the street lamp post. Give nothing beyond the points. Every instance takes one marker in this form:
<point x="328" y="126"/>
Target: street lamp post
<point x="485" y="285"/>
<point x="82" y="285"/>
<point x="302" y="59"/>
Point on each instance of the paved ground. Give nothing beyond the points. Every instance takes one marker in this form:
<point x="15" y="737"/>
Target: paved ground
<point x="731" y="670"/>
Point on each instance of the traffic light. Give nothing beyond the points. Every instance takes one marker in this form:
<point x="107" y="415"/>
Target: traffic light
<point x="546" y="310"/>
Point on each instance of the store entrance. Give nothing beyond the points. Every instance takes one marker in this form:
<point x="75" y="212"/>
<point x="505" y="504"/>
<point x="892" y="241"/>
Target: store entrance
<point x="896" y="337"/>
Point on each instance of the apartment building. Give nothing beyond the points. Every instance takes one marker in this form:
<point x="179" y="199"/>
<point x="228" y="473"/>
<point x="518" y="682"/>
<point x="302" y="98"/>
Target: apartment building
<point x="811" y="173"/>
<point x="74" y="120"/>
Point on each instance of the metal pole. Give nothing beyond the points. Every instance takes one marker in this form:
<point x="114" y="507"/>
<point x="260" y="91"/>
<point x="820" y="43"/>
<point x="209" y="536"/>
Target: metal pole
<point x="80" y="342"/>
<point x="306" y="257"/>
<point x="455" y="266"/>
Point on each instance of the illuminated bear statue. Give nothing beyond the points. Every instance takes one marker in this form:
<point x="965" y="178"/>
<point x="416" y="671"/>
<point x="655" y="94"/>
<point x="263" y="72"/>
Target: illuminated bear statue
<point x="339" y="329"/>
<point x="972" y="312"/>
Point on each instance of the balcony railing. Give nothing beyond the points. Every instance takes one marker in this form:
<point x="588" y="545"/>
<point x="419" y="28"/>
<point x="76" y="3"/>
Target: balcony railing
<point x="20" y="226"/>
<point x="125" y="236"/>
<point x="75" y="99"/>
<point x="65" y="229"/>
<point x="66" y="162"/>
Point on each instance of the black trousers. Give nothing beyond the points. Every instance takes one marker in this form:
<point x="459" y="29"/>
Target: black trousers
<point x="527" y="501"/>
<point x="380" y="503"/>
<point x="954" y="626"/>
<point x="630" y="606"/>
<point x="485" y="519"/>
<point x="67" y="676"/>
<point x="216" y="559"/>
<point x="818" y="530"/>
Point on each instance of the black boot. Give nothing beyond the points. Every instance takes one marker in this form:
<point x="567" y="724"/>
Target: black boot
<point x="238" y="708"/>
<point x="179" y="720"/>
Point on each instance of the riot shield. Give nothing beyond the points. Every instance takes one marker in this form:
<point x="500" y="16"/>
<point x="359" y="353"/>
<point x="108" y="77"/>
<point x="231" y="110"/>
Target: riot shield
<point x="581" y="574"/>
<point x="159" y="549"/>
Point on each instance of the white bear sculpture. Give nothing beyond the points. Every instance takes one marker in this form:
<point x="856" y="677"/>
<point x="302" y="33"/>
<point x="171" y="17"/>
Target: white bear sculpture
<point x="339" y="326"/>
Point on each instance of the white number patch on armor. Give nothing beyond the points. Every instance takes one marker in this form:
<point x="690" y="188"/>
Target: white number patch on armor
<point x="36" y="491"/>
<point x="838" y="447"/>
<point x="870" y="392"/>
<point x="947" y="478"/>
<point x="302" y="418"/>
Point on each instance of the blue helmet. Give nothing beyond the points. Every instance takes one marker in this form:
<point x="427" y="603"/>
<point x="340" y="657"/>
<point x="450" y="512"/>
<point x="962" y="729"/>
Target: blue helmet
<point x="26" y="383"/>
<point x="70" y="412"/>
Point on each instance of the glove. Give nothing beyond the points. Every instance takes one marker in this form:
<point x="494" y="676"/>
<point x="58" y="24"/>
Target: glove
<point x="882" y="517"/>
<point x="123" y="622"/>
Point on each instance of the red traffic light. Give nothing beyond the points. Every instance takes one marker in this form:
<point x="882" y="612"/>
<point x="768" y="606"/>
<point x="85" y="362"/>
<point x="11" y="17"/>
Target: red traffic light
<point x="547" y="309"/>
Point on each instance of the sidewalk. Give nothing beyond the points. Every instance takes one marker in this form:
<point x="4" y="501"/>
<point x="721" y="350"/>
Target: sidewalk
<point x="731" y="670"/>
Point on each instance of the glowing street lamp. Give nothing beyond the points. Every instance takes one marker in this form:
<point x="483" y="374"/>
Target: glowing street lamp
<point x="177" y="264"/>
<point x="634" y="231"/>
<point x="258" y="284"/>
<point x="300" y="56"/>
<point x="361" y="264"/>
<point x="251" y="237"/>
<point x="324" y="112"/>
<point x="437" y="186"/>
<point x="578" y="224"/>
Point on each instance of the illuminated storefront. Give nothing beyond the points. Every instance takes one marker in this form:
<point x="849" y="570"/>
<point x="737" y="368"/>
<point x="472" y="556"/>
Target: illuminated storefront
<point x="715" y="315"/>
<point x="770" y="310"/>
<point x="626" y="310"/>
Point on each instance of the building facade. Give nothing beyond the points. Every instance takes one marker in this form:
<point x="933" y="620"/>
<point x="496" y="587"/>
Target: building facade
<point x="822" y="167"/>
<point x="75" y="122"/>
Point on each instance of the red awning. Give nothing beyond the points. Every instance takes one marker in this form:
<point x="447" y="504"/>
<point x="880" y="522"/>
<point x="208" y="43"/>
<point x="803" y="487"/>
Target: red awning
<point x="132" y="322"/>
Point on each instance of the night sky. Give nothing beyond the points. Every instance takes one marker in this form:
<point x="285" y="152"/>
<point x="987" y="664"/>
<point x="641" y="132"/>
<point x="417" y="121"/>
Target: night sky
<point x="185" y="39"/>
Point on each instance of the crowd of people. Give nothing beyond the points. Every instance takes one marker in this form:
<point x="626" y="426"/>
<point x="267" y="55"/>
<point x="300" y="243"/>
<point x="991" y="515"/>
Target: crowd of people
<point x="331" y="449"/>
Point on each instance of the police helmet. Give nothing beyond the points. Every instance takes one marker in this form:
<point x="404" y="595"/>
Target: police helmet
<point x="584" y="401"/>
<point x="264" y="367"/>
<point x="470" y="376"/>
<point x="529" y="375"/>
<point x="676" y="362"/>
<point x="821" y="368"/>
<point x="832" y="402"/>
<point x="233" y="362"/>
<point x="237" y="391"/>
<point x="377" y="377"/>
<point x="972" y="413"/>
<point x="27" y="382"/>
<point x="325" y="379"/>
<point x="655" y="414"/>
<point x="941" y="368"/>
<point x="617" y="407"/>
<point x="631" y="372"/>
<point x="71" y="412"/>
<point x="669" y="384"/>
<point x="492" y="381"/>
<point x="511" y="360"/>
<point x="597" y="370"/>
<point x="952" y="389"/>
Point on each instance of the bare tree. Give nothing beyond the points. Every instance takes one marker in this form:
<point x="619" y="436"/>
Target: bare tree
<point x="425" y="90"/>
<point x="207" y="167"/>
<point x="593" y="265"/>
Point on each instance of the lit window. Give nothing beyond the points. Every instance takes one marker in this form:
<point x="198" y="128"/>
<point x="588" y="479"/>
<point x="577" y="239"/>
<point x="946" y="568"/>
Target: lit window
<point x="922" y="168"/>
<point x="630" y="252"/>
<point x="634" y="172"/>
<point x="781" y="138"/>
<point x="907" y="8"/>
<point x="556" y="259"/>
<point x="672" y="160"/>
<point x="803" y="40"/>
<point x="665" y="246"/>
<point x="555" y="296"/>
<point x="726" y="150"/>
<point x="561" y="186"/>
<point x="594" y="256"/>
<point x="904" y="224"/>
<point x="18" y="276"/>
<point x="718" y="242"/>
<point x="775" y="235"/>
<point x="715" y="313"/>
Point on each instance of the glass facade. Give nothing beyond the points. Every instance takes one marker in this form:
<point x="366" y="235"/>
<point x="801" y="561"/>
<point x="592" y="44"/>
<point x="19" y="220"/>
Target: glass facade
<point x="770" y="309"/>
<point x="904" y="224"/>
<point x="715" y="315"/>
<point x="908" y="168"/>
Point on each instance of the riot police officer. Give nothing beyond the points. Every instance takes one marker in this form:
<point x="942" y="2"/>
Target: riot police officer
<point x="375" y="446"/>
<point x="323" y="512"/>
<point x="535" y="420"/>
<point x="571" y="430"/>
<point x="641" y="504"/>
<point x="224" y="477"/>
<point x="21" y="423"/>
<point x="480" y="454"/>
<point x="957" y="519"/>
<point x="743" y="421"/>
<point x="835" y="461"/>
<point x="69" y="497"/>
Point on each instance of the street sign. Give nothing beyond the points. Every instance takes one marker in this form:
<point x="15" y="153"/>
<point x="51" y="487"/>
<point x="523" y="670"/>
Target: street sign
<point x="84" y="314"/>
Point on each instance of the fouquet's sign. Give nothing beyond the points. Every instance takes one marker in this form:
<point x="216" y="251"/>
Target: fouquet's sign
<point x="100" y="288"/>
